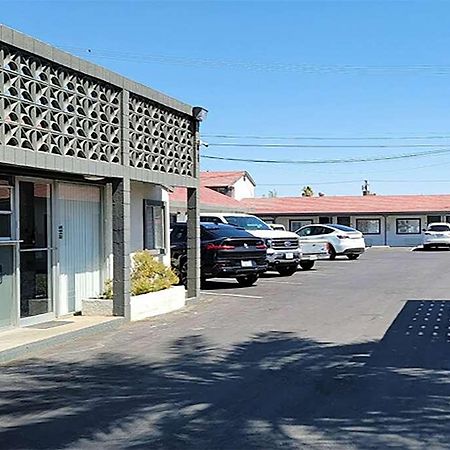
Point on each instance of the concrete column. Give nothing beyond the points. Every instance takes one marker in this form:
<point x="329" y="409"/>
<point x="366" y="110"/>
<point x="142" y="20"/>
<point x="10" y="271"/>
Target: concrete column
<point x="121" y="246"/>
<point x="125" y="127"/>
<point x="193" y="242"/>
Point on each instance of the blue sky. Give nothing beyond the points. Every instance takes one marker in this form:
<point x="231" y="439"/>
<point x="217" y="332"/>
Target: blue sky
<point x="253" y="84"/>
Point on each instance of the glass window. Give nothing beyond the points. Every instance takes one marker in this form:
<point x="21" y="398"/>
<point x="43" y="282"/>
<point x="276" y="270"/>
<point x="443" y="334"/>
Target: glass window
<point x="439" y="228"/>
<point x="247" y="222"/>
<point x="408" y="226"/>
<point x="34" y="291"/>
<point x="342" y="228"/>
<point x="154" y="225"/>
<point x="433" y="219"/>
<point x="34" y="209"/>
<point x="344" y="220"/>
<point x="307" y="231"/>
<point x="368" y="226"/>
<point x="294" y="225"/>
<point x="178" y="234"/>
<point x="325" y="219"/>
<point x="5" y="198"/>
<point x="210" y="219"/>
<point x="5" y="226"/>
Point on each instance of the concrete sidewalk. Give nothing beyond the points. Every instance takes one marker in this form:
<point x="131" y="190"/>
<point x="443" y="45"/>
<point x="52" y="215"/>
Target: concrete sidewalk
<point x="21" y="342"/>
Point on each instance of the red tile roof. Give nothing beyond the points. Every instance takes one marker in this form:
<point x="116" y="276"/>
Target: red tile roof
<point x="222" y="179"/>
<point x="207" y="197"/>
<point x="350" y="204"/>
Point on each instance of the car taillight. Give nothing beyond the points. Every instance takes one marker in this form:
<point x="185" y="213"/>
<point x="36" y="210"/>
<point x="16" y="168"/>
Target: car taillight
<point x="343" y="236"/>
<point x="261" y="246"/>
<point x="218" y="247"/>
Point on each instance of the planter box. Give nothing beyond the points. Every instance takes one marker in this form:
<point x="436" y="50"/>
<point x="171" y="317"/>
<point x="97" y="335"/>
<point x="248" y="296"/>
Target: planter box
<point x="141" y="306"/>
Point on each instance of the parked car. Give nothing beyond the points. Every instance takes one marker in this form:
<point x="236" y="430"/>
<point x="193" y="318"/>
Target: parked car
<point x="342" y="240"/>
<point x="226" y="252"/>
<point x="277" y="226"/>
<point x="283" y="249"/>
<point x="436" y="235"/>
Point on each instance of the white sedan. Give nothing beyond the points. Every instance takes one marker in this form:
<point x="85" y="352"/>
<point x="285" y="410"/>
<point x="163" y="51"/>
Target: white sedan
<point x="437" y="235"/>
<point x="342" y="240"/>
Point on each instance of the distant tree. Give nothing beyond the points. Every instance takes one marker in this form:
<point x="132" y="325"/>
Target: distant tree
<point x="307" y="191"/>
<point x="272" y="194"/>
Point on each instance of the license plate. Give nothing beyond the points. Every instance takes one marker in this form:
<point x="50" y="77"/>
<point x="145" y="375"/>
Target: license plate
<point x="289" y="256"/>
<point x="247" y="263"/>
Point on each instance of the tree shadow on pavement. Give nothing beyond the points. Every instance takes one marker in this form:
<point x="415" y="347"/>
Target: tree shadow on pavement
<point x="275" y="390"/>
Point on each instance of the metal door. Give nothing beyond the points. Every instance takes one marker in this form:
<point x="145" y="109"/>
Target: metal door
<point x="79" y="245"/>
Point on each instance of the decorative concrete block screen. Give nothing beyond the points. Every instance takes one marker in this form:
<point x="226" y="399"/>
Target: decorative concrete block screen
<point x="160" y="139"/>
<point x="48" y="108"/>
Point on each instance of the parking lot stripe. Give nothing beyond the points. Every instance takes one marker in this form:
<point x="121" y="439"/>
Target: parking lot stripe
<point x="230" y="295"/>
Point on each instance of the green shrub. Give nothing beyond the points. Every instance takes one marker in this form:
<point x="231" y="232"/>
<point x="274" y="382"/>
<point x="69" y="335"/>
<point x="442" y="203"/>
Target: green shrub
<point x="147" y="275"/>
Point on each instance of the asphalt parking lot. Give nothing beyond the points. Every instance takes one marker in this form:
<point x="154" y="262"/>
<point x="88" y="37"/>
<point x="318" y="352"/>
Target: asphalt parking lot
<point x="351" y="355"/>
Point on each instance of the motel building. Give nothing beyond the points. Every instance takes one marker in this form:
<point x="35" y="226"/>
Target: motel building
<point x="86" y="161"/>
<point x="385" y="220"/>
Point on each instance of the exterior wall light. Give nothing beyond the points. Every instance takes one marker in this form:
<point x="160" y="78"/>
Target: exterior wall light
<point x="199" y="113"/>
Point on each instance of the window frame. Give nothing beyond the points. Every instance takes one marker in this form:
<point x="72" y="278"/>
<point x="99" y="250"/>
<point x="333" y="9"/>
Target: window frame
<point x="368" y="219"/>
<point x="8" y="184"/>
<point x="344" y="224"/>
<point x="433" y="221"/>
<point x="408" y="218"/>
<point x="155" y="203"/>
<point x="291" y="221"/>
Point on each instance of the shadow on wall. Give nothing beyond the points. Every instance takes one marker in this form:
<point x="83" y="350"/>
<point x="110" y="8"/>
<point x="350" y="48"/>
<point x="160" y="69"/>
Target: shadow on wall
<point x="273" y="391"/>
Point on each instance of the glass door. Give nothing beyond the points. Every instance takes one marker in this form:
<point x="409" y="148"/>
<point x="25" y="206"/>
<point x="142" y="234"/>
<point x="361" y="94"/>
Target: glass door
<point x="35" y="249"/>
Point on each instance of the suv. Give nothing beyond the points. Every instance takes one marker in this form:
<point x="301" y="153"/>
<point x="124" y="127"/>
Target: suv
<point x="226" y="252"/>
<point x="283" y="251"/>
<point x="436" y="235"/>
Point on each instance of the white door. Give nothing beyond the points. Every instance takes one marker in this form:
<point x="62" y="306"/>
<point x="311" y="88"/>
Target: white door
<point x="79" y="245"/>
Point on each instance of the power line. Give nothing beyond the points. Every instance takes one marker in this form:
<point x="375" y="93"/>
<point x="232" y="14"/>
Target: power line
<point x="240" y="144"/>
<point x="324" y="138"/>
<point x="435" y="69"/>
<point x="331" y="161"/>
<point x="350" y="181"/>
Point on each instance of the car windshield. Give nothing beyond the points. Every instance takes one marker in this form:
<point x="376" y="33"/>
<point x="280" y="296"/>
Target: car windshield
<point x="247" y="222"/>
<point x="341" y="227"/>
<point x="438" y="228"/>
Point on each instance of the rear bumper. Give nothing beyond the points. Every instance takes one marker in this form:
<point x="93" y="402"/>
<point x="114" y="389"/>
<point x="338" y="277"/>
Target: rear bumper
<point x="314" y="256"/>
<point x="221" y="271"/>
<point x="279" y="259"/>
<point x="437" y="242"/>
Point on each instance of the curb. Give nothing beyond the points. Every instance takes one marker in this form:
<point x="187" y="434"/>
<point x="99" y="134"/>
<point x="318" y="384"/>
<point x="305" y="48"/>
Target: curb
<point x="25" y="350"/>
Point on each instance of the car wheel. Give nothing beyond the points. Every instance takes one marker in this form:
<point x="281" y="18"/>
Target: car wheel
<point x="332" y="252"/>
<point x="247" y="280"/>
<point x="287" y="271"/>
<point x="352" y="256"/>
<point x="181" y="273"/>
<point x="307" y="265"/>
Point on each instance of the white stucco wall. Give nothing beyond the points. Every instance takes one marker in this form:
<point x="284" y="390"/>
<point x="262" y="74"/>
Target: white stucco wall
<point x="243" y="188"/>
<point x="139" y="192"/>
